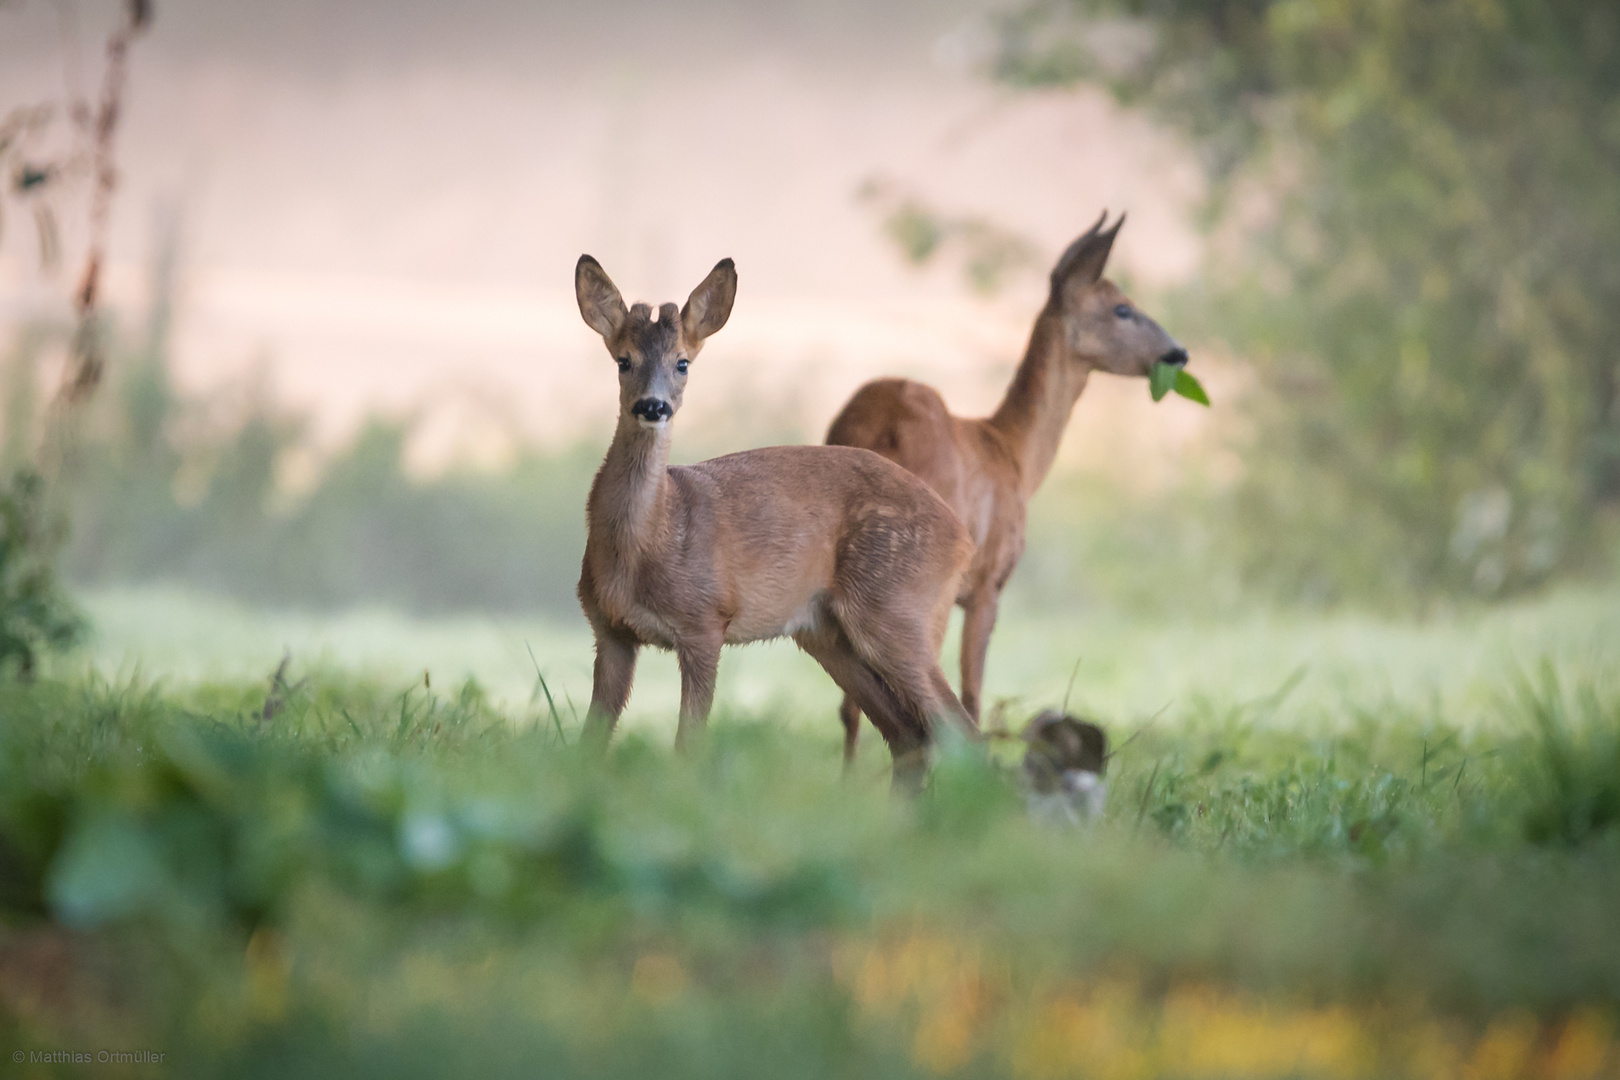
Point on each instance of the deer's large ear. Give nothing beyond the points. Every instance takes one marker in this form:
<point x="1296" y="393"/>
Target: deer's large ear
<point x="599" y="300"/>
<point x="709" y="306"/>
<point x="1082" y="264"/>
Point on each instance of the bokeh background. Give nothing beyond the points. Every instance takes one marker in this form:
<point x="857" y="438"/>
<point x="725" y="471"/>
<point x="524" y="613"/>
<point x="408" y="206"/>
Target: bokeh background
<point x="351" y="411"/>
<point x="291" y="670"/>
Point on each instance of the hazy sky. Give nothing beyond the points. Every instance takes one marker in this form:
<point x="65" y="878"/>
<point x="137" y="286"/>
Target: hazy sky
<point x="383" y="201"/>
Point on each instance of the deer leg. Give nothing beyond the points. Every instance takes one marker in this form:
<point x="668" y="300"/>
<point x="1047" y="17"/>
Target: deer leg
<point x="867" y="691"/>
<point x="700" y="665"/>
<point x="979" y="618"/>
<point x="850" y="714"/>
<point x="903" y="650"/>
<point x="610" y="685"/>
<point x="944" y="704"/>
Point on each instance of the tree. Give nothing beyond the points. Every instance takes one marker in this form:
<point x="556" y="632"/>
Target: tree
<point x="1414" y="215"/>
<point x="35" y="613"/>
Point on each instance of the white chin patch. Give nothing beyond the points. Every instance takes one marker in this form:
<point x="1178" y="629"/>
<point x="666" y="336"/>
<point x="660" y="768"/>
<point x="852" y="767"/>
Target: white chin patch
<point x="644" y="422"/>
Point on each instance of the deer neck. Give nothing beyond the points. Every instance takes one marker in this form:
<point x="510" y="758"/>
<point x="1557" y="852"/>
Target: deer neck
<point x="1040" y="400"/>
<point x="629" y="497"/>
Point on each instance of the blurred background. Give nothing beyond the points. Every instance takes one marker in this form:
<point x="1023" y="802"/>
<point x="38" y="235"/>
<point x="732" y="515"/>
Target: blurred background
<point x="350" y="408"/>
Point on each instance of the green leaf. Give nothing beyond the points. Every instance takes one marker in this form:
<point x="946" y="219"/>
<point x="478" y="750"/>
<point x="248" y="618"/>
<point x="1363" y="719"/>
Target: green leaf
<point x="1190" y="388"/>
<point x="1161" y="379"/>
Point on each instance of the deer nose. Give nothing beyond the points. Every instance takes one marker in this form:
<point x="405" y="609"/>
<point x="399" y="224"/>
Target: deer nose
<point x="1176" y="356"/>
<point x="652" y="410"/>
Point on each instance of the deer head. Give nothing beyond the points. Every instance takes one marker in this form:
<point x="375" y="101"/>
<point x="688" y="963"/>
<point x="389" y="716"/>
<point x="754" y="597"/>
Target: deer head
<point x="1102" y="329"/>
<point x="653" y="354"/>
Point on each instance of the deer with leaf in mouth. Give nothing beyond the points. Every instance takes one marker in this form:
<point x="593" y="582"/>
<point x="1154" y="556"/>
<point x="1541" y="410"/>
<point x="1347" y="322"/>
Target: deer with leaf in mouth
<point x="988" y="469"/>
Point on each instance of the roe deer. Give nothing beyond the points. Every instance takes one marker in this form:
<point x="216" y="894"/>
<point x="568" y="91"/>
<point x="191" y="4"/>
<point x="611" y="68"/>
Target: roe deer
<point x="852" y="556"/>
<point x="988" y="469"/>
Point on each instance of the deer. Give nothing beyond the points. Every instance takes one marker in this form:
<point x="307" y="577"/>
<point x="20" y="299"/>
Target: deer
<point x="988" y="468"/>
<point x="840" y="549"/>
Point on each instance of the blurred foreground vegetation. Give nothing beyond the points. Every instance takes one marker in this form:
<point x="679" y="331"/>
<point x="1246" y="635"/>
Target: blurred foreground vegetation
<point x="339" y="878"/>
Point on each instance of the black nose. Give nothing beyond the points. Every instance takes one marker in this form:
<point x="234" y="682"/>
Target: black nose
<point x="1177" y="357"/>
<point x="652" y="409"/>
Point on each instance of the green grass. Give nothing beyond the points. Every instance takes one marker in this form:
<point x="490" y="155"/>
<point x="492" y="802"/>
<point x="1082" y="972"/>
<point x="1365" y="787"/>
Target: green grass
<point x="1130" y="668"/>
<point x="1341" y="875"/>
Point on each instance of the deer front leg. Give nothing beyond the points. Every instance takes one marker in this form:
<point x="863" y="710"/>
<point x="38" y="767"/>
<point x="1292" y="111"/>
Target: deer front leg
<point x="700" y="664"/>
<point x="610" y="685"/>
<point x="978" y="620"/>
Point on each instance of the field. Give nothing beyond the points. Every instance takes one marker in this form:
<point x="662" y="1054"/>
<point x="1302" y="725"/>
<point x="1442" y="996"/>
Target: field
<point x="1334" y="847"/>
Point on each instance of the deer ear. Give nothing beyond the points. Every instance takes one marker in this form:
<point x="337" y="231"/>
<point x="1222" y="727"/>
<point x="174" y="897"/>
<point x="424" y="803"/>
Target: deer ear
<point x="709" y="306"/>
<point x="1082" y="264"/>
<point x="599" y="301"/>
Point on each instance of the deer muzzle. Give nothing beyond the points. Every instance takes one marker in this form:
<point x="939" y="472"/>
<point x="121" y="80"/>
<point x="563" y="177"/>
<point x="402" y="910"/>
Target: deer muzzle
<point x="651" y="410"/>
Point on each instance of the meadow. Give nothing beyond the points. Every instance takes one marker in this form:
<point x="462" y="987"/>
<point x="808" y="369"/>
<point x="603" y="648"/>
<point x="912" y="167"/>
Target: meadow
<point x="1335" y="846"/>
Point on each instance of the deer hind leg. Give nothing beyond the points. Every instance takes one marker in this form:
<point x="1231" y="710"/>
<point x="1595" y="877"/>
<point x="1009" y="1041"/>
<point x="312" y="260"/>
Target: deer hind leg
<point x="850" y="714"/>
<point x="979" y="619"/>
<point x="700" y="664"/>
<point x="866" y="690"/>
<point x="903" y="654"/>
<point x="615" y="671"/>
<point x="901" y="640"/>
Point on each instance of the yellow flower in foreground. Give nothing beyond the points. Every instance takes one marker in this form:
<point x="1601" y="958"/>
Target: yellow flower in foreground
<point x="1205" y="1033"/>
<point x="266" y="975"/>
<point x="1582" y="1048"/>
<point x="1096" y="1038"/>
<point x="1504" y="1052"/>
<point x="945" y="1037"/>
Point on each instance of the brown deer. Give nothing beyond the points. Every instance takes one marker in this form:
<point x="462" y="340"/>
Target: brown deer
<point x="987" y="469"/>
<point x="852" y="556"/>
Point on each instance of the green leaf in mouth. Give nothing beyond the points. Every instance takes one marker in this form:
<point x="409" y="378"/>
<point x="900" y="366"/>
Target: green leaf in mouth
<point x="1189" y="387"/>
<point x="1163" y="378"/>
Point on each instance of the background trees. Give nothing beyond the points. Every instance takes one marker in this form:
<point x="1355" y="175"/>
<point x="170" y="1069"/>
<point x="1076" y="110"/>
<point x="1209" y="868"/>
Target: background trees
<point x="1414" y="208"/>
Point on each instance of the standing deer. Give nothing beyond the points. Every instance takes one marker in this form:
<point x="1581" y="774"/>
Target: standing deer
<point x="854" y="558"/>
<point x="988" y="469"/>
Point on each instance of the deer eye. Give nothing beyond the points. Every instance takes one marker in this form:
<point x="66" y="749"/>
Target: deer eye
<point x="1123" y="311"/>
<point x="624" y="363"/>
<point x="681" y="365"/>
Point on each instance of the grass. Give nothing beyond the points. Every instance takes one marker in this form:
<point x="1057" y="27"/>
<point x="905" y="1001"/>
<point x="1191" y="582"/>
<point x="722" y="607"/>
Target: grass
<point x="1130" y="667"/>
<point x="388" y="878"/>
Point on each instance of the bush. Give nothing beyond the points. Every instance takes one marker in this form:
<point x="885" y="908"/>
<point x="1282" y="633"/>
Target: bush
<point x="35" y="614"/>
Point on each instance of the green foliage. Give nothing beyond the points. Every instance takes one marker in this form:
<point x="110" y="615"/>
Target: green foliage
<point x="366" y="845"/>
<point x="36" y="616"/>
<point x="1573" y="784"/>
<point x="1414" y="209"/>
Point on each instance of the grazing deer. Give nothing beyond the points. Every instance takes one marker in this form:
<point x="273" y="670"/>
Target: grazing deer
<point x="852" y="556"/>
<point x="988" y="469"/>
